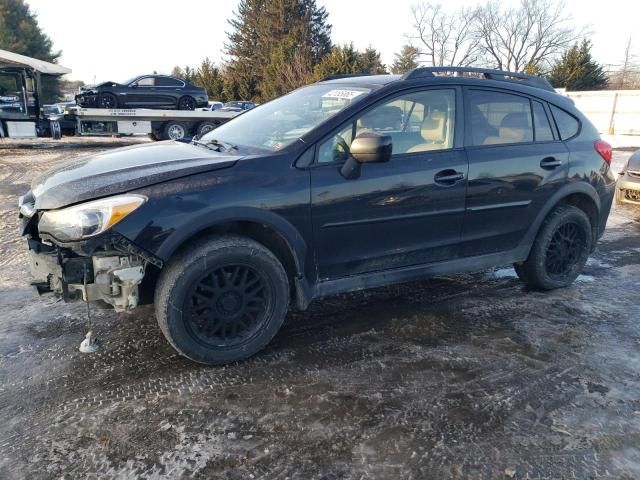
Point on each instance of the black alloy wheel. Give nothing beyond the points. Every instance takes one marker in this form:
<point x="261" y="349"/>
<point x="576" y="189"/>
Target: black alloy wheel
<point x="108" y="100"/>
<point x="560" y="250"/>
<point x="221" y="299"/>
<point x="187" y="103"/>
<point x="227" y="306"/>
<point x="564" y="250"/>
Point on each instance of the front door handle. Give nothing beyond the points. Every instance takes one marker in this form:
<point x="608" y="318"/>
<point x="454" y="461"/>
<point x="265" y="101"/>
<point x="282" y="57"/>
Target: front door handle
<point x="549" y="163"/>
<point x="448" y="177"/>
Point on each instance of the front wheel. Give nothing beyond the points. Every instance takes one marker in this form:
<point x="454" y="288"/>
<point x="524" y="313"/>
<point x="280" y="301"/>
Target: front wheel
<point x="222" y="300"/>
<point x="108" y="100"/>
<point x="560" y="250"/>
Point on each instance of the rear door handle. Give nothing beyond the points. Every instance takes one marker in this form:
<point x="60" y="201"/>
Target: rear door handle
<point x="549" y="163"/>
<point x="448" y="177"/>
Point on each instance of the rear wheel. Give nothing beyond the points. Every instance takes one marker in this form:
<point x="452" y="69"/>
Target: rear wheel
<point x="107" y="100"/>
<point x="222" y="300"/>
<point x="187" y="103"/>
<point x="560" y="250"/>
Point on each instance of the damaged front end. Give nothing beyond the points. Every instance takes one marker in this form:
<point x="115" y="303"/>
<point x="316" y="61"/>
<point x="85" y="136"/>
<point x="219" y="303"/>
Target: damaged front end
<point x="103" y="267"/>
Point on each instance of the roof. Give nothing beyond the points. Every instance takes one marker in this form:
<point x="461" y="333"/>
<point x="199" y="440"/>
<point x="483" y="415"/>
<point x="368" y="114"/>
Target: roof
<point x="363" y="80"/>
<point x="14" y="59"/>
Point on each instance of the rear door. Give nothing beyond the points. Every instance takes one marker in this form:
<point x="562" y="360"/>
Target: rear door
<point x="516" y="163"/>
<point x="405" y="212"/>
<point x="169" y="90"/>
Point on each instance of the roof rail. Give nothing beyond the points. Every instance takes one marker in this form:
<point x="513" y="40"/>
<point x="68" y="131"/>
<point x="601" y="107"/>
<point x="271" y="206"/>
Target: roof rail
<point x="502" y="75"/>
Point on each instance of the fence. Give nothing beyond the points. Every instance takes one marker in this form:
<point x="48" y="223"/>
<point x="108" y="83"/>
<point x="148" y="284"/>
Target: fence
<point x="611" y="111"/>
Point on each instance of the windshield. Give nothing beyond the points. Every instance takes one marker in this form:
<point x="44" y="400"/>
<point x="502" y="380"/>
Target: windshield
<point x="281" y="122"/>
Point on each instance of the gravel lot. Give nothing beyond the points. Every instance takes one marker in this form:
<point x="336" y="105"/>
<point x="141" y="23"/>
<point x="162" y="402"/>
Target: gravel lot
<point x="465" y="376"/>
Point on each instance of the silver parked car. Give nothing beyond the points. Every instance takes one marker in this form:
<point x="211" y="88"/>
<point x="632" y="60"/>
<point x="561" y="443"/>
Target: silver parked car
<point x="628" y="184"/>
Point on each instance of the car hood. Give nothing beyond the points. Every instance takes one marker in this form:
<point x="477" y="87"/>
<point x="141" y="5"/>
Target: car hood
<point x="88" y="88"/>
<point x="123" y="170"/>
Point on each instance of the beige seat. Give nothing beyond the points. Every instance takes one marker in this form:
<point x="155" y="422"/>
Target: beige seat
<point x="433" y="133"/>
<point x="514" y="128"/>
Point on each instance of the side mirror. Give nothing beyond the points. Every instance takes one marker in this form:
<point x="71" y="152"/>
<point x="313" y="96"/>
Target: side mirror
<point x="368" y="147"/>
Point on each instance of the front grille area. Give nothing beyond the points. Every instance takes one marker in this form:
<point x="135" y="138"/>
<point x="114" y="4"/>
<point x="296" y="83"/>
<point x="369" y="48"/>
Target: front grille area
<point x="633" y="195"/>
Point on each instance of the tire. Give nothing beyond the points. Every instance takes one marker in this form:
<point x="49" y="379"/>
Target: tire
<point x="187" y="103"/>
<point x="560" y="250"/>
<point x="206" y="127"/>
<point x="174" y="131"/>
<point x="107" y="100"/>
<point x="207" y="304"/>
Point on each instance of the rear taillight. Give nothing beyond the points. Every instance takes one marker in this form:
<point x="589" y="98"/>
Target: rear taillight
<point x="604" y="149"/>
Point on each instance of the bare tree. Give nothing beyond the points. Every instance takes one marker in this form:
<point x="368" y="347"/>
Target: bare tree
<point x="525" y="37"/>
<point x="629" y="75"/>
<point x="442" y="38"/>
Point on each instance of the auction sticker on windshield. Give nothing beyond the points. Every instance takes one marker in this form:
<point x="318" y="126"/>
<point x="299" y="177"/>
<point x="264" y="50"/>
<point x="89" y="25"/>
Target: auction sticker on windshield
<point x="346" y="94"/>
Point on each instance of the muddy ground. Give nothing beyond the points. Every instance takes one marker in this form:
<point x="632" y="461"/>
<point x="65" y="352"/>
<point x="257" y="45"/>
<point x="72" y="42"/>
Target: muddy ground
<point x="465" y="376"/>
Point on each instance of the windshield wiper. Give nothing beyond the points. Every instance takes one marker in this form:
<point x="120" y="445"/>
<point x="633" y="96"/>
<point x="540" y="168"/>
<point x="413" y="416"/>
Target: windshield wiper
<point x="227" y="146"/>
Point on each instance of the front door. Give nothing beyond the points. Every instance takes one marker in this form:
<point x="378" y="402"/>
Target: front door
<point x="405" y="212"/>
<point x="516" y="162"/>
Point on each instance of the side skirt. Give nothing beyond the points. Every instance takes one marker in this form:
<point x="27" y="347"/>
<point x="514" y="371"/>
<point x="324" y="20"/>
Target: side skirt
<point x="306" y="293"/>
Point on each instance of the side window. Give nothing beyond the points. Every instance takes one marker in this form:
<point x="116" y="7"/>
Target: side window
<point x="568" y="125"/>
<point x="416" y="122"/>
<point x="168" y="82"/>
<point x="499" y="118"/>
<point x="146" y="82"/>
<point x="541" y="124"/>
<point x="336" y="147"/>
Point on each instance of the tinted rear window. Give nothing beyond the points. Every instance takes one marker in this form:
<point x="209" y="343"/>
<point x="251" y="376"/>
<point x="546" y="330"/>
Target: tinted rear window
<point x="499" y="118"/>
<point x="568" y="125"/>
<point x="168" y="82"/>
<point x="541" y="124"/>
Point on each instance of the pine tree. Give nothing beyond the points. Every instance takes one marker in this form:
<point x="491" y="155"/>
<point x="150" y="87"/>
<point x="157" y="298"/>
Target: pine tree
<point x="264" y="32"/>
<point x="405" y="60"/>
<point x="344" y="59"/>
<point x="20" y="33"/>
<point x="370" y="62"/>
<point x="577" y="70"/>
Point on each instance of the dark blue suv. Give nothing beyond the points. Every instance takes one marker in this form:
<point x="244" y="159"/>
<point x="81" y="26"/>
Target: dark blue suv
<point x="349" y="183"/>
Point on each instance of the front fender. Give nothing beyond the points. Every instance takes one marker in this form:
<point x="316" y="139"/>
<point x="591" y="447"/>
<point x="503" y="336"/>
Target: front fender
<point x="205" y="220"/>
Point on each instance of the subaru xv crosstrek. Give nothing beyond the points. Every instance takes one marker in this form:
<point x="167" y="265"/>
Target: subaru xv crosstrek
<point x="350" y="183"/>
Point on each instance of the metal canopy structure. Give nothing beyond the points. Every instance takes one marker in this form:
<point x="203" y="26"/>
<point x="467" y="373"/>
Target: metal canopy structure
<point x="40" y="66"/>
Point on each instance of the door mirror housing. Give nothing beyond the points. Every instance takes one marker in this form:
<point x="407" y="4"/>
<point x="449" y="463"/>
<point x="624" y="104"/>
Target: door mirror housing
<point x="371" y="147"/>
<point x="368" y="147"/>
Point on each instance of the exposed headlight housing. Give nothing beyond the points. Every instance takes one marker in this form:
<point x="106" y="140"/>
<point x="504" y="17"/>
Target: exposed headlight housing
<point x="88" y="219"/>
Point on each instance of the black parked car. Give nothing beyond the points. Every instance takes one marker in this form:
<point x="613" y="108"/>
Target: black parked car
<point x="346" y="184"/>
<point x="146" y="91"/>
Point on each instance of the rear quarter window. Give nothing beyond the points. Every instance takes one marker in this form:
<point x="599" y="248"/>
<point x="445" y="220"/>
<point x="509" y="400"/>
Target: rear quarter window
<point x="568" y="125"/>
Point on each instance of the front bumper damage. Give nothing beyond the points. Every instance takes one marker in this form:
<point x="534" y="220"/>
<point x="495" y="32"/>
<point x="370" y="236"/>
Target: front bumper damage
<point x="107" y="269"/>
<point x="111" y="279"/>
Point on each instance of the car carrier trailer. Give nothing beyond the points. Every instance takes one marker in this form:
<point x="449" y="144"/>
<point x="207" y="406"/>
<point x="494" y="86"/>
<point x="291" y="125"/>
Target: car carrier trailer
<point x="21" y="114"/>
<point x="158" y="124"/>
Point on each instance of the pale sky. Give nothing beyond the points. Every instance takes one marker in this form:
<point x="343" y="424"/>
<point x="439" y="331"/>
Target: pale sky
<point x="119" y="39"/>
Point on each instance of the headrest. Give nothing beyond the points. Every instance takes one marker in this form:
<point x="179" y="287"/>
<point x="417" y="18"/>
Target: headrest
<point x="433" y="127"/>
<point x="515" y="128"/>
<point x="386" y="117"/>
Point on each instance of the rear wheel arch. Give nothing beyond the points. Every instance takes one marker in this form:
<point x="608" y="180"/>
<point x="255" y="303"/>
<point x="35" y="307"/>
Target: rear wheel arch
<point x="579" y="194"/>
